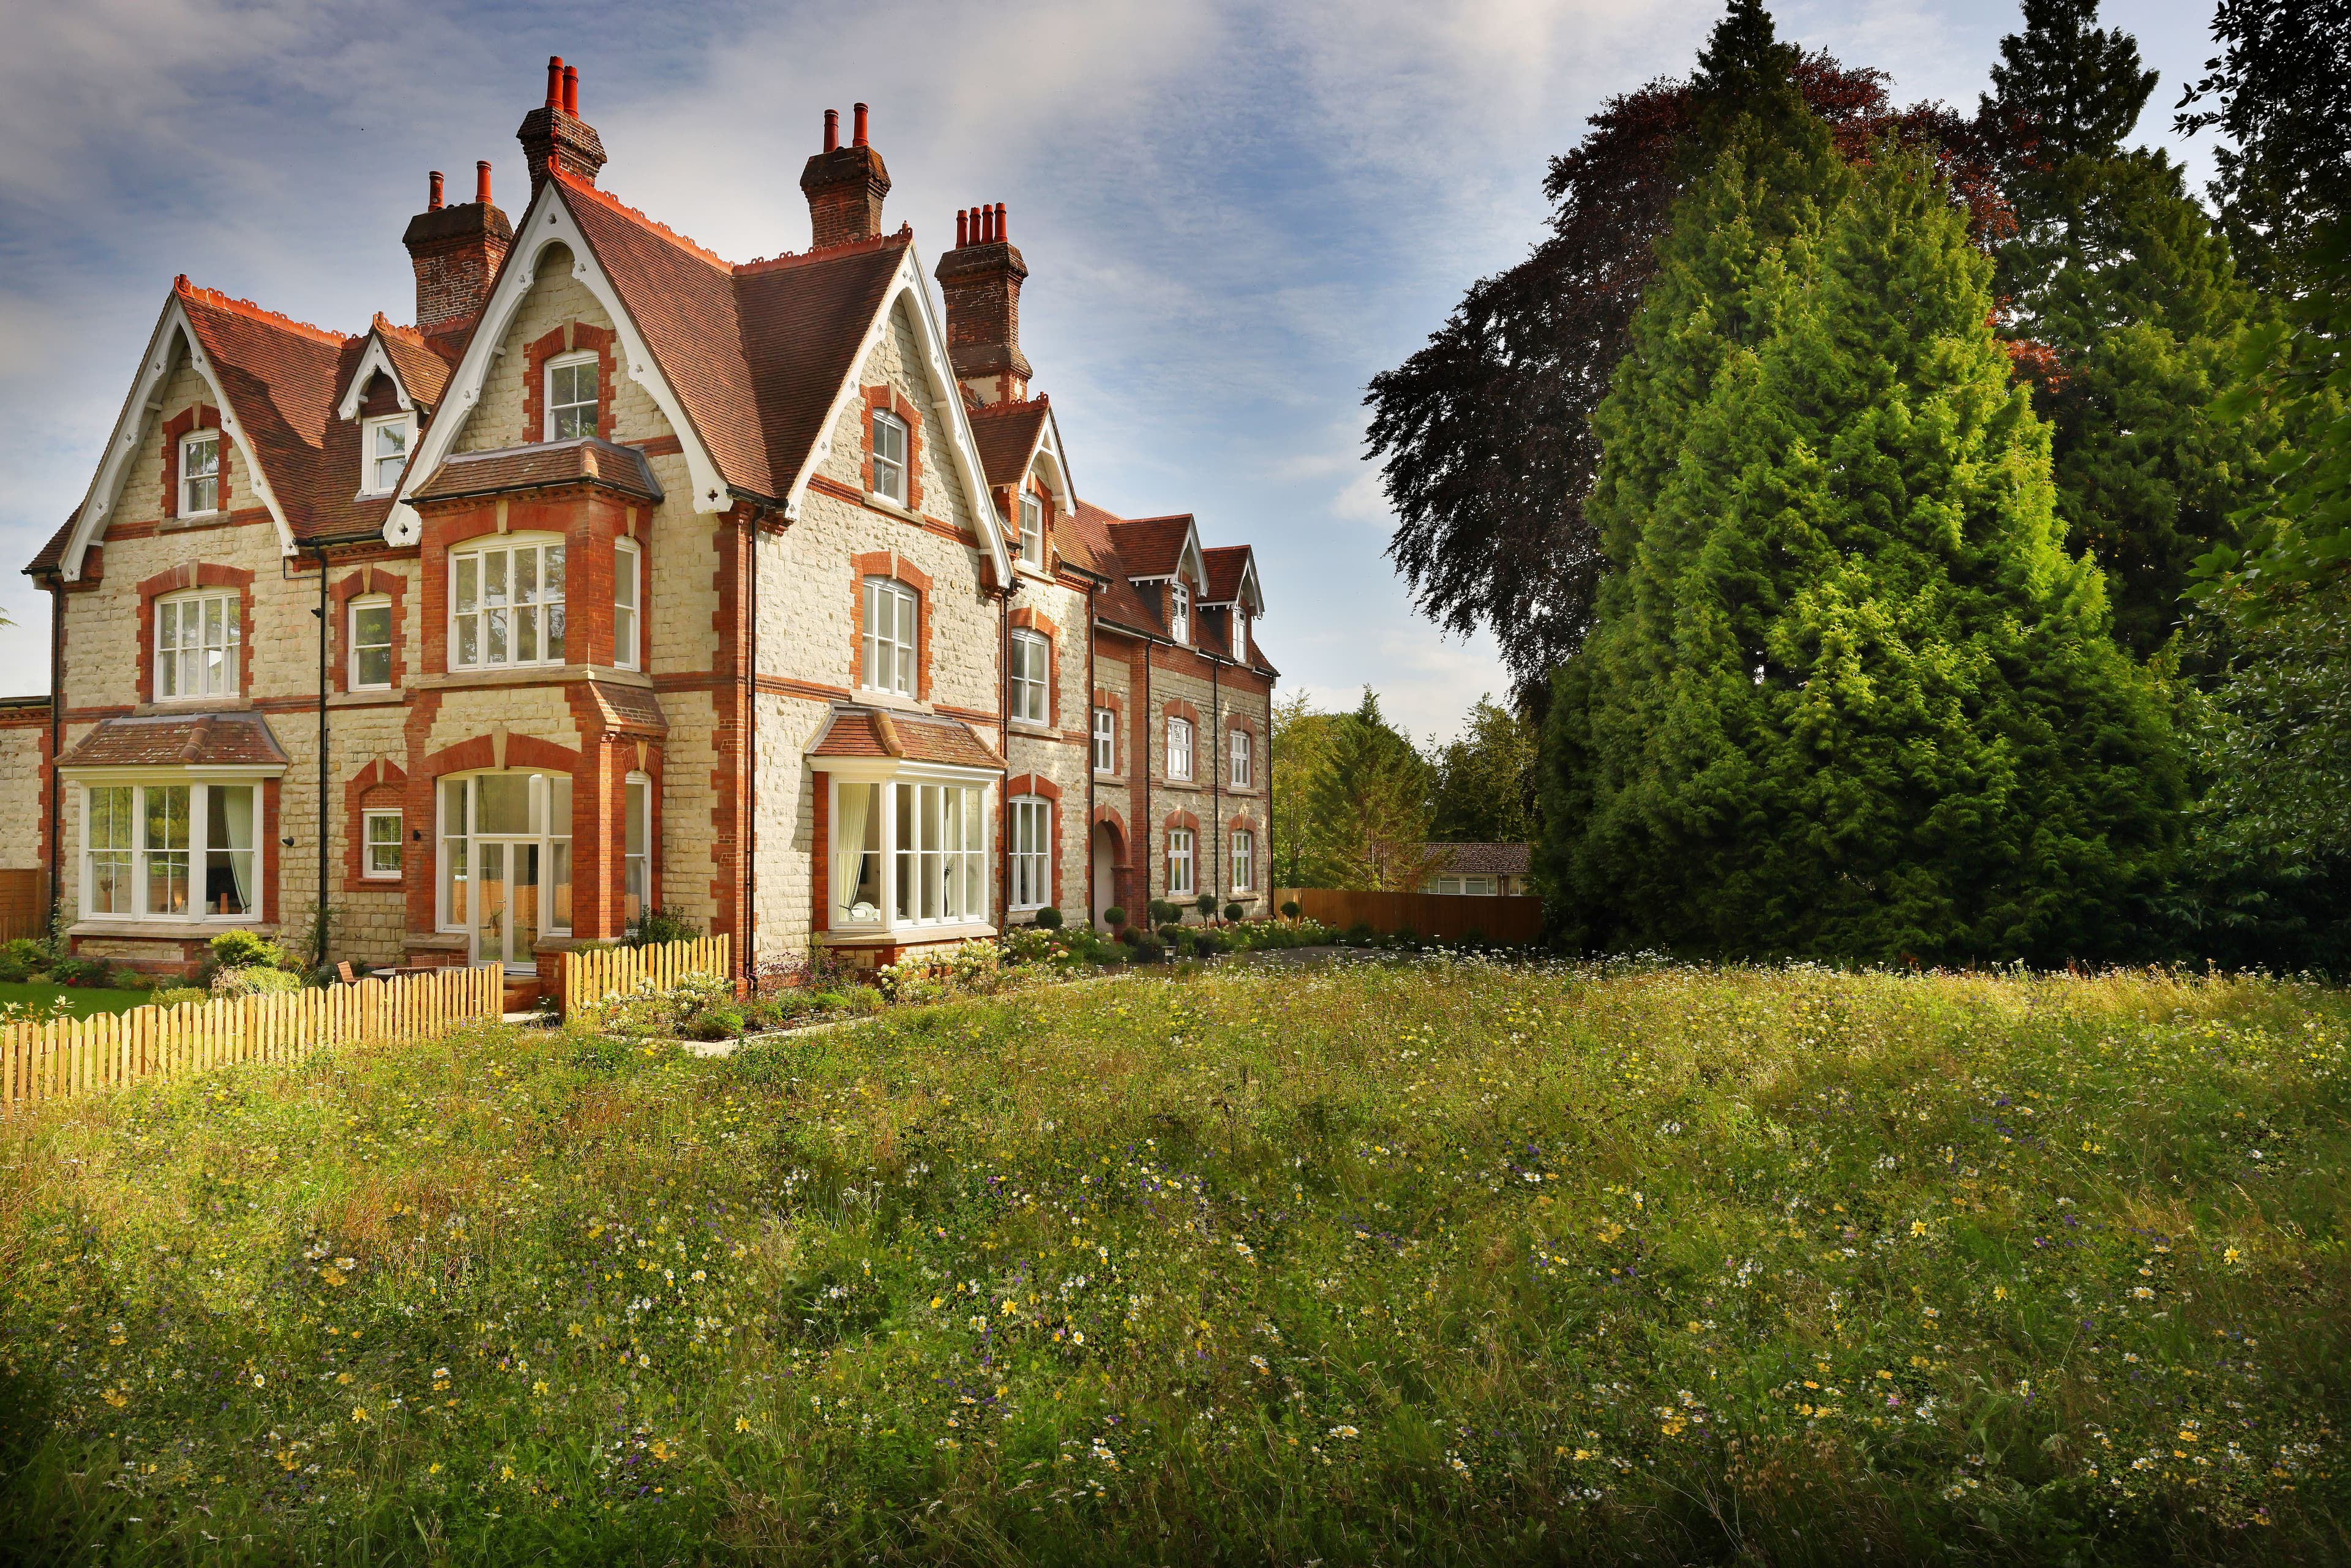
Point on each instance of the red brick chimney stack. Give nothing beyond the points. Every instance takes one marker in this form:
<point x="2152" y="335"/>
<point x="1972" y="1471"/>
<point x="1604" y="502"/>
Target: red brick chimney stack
<point x="553" y="136"/>
<point x="455" y="251"/>
<point x="844" y="186"/>
<point x="981" y="279"/>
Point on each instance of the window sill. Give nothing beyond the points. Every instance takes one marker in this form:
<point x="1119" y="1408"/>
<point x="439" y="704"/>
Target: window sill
<point x="905" y="936"/>
<point x="367" y="696"/>
<point x="867" y="696"/>
<point x="882" y="503"/>
<point x="211" y="519"/>
<point x="192" y="705"/>
<point x="529" y="675"/>
<point x="169" y="930"/>
<point x="1031" y="726"/>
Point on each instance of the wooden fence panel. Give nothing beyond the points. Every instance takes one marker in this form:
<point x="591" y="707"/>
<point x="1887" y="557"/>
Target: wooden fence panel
<point x="24" y="903"/>
<point x="590" y="977"/>
<point x="1450" y="917"/>
<point x="80" y="1055"/>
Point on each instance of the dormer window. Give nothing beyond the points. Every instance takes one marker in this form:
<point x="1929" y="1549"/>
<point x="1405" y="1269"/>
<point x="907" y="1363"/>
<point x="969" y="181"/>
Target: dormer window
<point x="1179" y="610"/>
<point x="1033" y="531"/>
<point x="889" y="456"/>
<point x="571" y="397"/>
<point x="383" y="444"/>
<point x="199" y="473"/>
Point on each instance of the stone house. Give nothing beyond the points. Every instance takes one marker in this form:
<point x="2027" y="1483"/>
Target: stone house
<point x="628" y="576"/>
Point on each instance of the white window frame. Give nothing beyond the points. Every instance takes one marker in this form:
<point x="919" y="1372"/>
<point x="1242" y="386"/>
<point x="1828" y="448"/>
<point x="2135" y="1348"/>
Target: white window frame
<point x="1179" y="730"/>
<point x="628" y="613"/>
<point x="353" y="647"/>
<point x="894" y="663"/>
<point x="135" y="857"/>
<point x="1240" y="745"/>
<point x="1105" y="740"/>
<point x="181" y="506"/>
<point x="889" y="468"/>
<point x="369" y="867"/>
<point x="1032" y="851"/>
<point x="953" y="880"/>
<point x="1243" y="857"/>
<point x="547" y="607"/>
<point x="636" y="864"/>
<point x="546" y="828"/>
<point x="373" y="481"/>
<point x="212" y="680"/>
<point x="554" y="410"/>
<point x="1033" y="666"/>
<point x="1032" y="530"/>
<point x="1183" y="855"/>
<point x="1179" y="610"/>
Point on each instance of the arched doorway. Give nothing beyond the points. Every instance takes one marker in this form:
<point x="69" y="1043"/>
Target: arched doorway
<point x="1109" y="858"/>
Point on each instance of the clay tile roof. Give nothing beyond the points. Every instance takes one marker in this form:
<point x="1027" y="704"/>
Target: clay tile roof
<point x="424" y="373"/>
<point x="582" y="460"/>
<point x="50" y="554"/>
<point x="1485" y="859"/>
<point x="1007" y="433"/>
<point x="1227" y="565"/>
<point x="632" y="710"/>
<point x="1090" y="526"/>
<point x="239" y="739"/>
<point x="1151" y="547"/>
<point x="916" y="736"/>
<point x="755" y="353"/>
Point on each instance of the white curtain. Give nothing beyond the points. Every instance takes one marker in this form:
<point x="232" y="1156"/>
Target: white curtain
<point x="238" y="822"/>
<point x="856" y="808"/>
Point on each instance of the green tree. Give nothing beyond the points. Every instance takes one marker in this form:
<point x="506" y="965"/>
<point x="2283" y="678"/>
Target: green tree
<point x="1369" y="808"/>
<point x="2127" y="312"/>
<point x="1485" y="781"/>
<point x="1847" y="694"/>
<point x="1303" y="734"/>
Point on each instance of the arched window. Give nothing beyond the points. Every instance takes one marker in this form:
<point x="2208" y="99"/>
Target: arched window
<point x="505" y="862"/>
<point x="506" y="602"/>
<point x="198" y="642"/>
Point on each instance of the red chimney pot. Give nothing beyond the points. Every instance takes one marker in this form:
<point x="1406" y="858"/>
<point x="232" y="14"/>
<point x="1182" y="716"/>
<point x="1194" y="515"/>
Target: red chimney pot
<point x="482" y="180"/>
<point x="962" y="225"/>
<point x="858" y="137"/>
<point x="571" y="91"/>
<point x="1003" y="232"/>
<point x="833" y="131"/>
<point x="555" y="82"/>
<point x="433" y="191"/>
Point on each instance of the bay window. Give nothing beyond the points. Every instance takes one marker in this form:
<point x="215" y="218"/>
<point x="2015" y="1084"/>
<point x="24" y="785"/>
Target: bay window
<point x="908" y="852"/>
<point x="506" y="602"/>
<point x="198" y="641"/>
<point x="1179" y="748"/>
<point x="889" y="637"/>
<point x="505" y="862"/>
<point x="169" y="850"/>
<point x="1032" y="852"/>
<point x="1180" y="882"/>
<point x="628" y="592"/>
<point x="1030" y="656"/>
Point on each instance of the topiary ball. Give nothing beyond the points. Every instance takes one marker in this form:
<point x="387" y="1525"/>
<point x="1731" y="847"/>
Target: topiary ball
<point x="1049" y="918"/>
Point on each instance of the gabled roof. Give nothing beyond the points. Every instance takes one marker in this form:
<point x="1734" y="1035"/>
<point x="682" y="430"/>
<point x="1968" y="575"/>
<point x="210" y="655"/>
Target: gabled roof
<point x="1484" y="859"/>
<point x="1151" y="548"/>
<point x="1007" y="433"/>
<point x="1232" y="578"/>
<point x="915" y="737"/>
<point x="1100" y="541"/>
<point x="418" y="374"/>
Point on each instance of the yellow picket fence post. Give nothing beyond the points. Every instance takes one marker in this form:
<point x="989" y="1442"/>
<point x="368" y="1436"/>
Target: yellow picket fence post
<point x="591" y="977"/>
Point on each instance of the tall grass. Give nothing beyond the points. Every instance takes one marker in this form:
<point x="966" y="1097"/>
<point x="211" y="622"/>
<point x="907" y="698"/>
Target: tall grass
<point x="1440" y="1263"/>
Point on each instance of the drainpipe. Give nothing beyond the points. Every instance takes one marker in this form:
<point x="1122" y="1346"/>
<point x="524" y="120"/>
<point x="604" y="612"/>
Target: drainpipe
<point x="1092" y="914"/>
<point x="57" y="742"/>
<point x="1142" y="769"/>
<point x="1003" y="900"/>
<point x="749" y="793"/>
<point x="1216" y="784"/>
<point x="320" y="920"/>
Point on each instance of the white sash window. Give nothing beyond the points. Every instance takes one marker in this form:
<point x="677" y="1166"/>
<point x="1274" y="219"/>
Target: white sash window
<point x="1032" y="852"/>
<point x="908" y="854"/>
<point x="170" y="850"/>
<point x="506" y="603"/>
<point x="198" y="641"/>
<point x="1029" y="660"/>
<point x="890" y="632"/>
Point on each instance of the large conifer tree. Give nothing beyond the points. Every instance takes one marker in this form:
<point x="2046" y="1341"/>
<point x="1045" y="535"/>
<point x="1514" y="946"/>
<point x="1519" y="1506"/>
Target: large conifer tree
<point x="1847" y="693"/>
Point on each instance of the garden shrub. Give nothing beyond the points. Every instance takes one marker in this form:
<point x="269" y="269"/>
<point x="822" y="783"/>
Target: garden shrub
<point x="173" y="995"/>
<point x="1162" y="911"/>
<point x="1130" y="935"/>
<point x="713" y="1023"/>
<point x="1169" y="930"/>
<point x="253" y="980"/>
<point x="1206" y="905"/>
<point x="1360" y="932"/>
<point x="1049" y="918"/>
<point x="245" y="950"/>
<point x="657" y="926"/>
<point x="1207" y="944"/>
<point x="1149" y="950"/>
<point x="1233" y="911"/>
<point x="22" y="958"/>
<point x="78" y="971"/>
<point x="1289" y="909"/>
<point x="1115" y="914"/>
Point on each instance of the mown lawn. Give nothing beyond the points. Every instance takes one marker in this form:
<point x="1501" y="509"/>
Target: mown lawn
<point x="80" y="1001"/>
<point x="1436" y="1263"/>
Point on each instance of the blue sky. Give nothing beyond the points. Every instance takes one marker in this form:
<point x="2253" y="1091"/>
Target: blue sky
<point x="1234" y="214"/>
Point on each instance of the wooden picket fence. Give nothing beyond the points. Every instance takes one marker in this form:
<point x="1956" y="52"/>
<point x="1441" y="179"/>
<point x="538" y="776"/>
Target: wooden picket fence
<point x="42" y="1061"/>
<point x="590" y="977"/>
<point x="1446" y="916"/>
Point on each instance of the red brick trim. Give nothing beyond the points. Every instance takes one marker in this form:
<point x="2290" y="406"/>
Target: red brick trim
<point x="196" y="574"/>
<point x="270" y="791"/>
<point x="1106" y="698"/>
<point x="383" y="785"/>
<point x="1181" y="819"/>
<point x="367" y="581"/>
<point x="1033" y="784"/>
<point x="889" y="563"/>
<point x="197" y="416"/>
<point x="480" y="755"/>
<point x="1176" y="708"/>
<point x="821" y="916"/>
<point x="890" y="397"/>
<point x="572" y="337"/>
<point x="587" y="520"/>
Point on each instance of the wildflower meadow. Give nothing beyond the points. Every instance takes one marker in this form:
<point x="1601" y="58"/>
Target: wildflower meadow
<point x="1440" y="1260"/>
